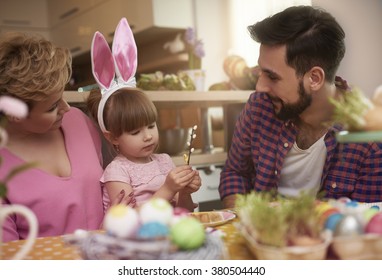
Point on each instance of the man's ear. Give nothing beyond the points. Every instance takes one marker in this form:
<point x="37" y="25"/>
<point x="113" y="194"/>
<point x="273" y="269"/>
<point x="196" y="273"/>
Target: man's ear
<point x="110" y="137"/>
<point x="316" y="78"/>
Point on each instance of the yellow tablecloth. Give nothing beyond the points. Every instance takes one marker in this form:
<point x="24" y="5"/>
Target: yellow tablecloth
<point x="54" y="248"/>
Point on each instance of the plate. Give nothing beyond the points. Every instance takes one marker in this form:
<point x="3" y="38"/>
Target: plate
<point x="213" y="218"/>
<point x="359" y="137"/>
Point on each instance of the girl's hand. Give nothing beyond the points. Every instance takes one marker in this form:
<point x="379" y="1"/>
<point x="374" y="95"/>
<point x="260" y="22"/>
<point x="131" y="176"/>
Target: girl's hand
<point x="179" y="178"/>
<point x="195" y="184"/>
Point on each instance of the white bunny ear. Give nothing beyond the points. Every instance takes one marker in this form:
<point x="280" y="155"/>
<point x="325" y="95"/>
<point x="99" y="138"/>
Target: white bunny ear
<point x="102" y="62"/>
<point x="125" y="52"/>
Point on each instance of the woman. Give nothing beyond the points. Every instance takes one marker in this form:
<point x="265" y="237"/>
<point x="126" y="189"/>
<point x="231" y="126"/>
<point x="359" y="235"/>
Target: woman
<point x="62" y="188"/>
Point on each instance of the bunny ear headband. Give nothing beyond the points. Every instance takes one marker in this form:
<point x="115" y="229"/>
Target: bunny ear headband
<point x="116" y="69"/>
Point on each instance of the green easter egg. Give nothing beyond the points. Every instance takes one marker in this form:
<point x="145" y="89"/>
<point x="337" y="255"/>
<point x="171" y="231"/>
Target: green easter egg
<point x="369" y="213"/>
<point x="188" y="233"/>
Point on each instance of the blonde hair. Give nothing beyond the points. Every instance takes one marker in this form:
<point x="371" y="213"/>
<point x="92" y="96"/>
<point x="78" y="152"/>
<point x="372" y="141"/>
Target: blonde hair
<point x="125" y="110"/>
<point x="31" y="67"/>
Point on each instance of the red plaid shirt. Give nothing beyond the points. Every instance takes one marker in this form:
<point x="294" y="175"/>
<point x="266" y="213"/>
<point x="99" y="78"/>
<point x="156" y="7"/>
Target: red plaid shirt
<point x="261" y="142"/>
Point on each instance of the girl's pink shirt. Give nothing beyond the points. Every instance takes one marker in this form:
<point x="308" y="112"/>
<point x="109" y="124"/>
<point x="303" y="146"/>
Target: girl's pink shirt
<point x="145" y="178"/>
<point x="61" y="204"/>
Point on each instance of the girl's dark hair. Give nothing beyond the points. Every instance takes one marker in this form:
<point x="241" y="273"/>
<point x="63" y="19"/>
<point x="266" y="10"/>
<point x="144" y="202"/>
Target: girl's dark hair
<point x="312" y="37"/>
<point x="125" y="110"/>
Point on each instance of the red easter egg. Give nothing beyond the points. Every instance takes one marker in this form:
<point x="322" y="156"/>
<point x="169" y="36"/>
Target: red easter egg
<point x="375" y="224"/>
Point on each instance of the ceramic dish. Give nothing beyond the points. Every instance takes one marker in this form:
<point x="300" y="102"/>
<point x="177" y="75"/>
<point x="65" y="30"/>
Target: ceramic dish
<point x="213" y="218"/>
<point x="264" y="252"/>
<point x="359" y="137"/>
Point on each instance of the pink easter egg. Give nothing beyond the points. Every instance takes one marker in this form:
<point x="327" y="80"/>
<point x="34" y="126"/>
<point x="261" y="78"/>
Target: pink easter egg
<point x="375" y="224"/>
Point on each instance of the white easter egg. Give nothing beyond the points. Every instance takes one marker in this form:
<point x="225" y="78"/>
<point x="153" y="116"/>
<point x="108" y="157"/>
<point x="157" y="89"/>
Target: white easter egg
<point x="156" y="210"/>
<point x="121" y="221"/>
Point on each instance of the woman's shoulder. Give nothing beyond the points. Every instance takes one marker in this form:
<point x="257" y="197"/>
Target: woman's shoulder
<point x="75" y="113"/>
<point x="77" y="119"/>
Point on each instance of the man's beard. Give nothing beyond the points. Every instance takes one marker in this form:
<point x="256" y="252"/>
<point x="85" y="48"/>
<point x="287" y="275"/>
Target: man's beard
<point x="292" y="111"/>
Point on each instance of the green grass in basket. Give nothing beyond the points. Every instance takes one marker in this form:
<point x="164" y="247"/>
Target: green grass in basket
<point x="277" y="221"/>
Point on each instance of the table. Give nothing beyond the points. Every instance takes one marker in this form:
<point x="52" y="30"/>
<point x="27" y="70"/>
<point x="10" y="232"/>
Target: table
<point x="54" y="248"/>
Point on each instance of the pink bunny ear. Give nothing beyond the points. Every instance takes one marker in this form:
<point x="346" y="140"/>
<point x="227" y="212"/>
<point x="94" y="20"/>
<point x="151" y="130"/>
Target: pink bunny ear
<point x="124" y="51"/>
<point x="102" y="62"/>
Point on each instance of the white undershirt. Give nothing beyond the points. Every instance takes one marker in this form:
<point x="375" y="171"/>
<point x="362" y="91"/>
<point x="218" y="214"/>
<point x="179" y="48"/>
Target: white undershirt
<point x="302" y="169"/>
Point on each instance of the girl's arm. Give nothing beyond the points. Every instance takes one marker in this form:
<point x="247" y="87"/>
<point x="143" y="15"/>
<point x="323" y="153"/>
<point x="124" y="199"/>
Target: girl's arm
<point x="120" y="192"/>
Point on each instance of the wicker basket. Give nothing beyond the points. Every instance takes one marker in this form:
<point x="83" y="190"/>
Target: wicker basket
<point x="100" y="246"/>
<point x="264" y="252"/>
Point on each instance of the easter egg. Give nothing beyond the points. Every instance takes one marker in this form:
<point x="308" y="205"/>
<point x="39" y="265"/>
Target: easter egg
<point x="179" y="213"/>
<point x="156" y="210"/>
<point x="349" y="225"/>
<point x="351" y="203"/>
<point x="187" y="233"/>
<point x="121" y="221"/>
<point x="375" y="207"/>
<point x="369" y="213"/>
<point x="333" y="220"/>
<point x="322" y="207"/>
<point x="326" y="214"/>
<point x="153" y="230"/>
<point x="375" y="224"/>
<point x="344" y="199"/>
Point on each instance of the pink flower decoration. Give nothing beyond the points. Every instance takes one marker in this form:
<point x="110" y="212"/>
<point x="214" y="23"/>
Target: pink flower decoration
<point x="13" y="107"/>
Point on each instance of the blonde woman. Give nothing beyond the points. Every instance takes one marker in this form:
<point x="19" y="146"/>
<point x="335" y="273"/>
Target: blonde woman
<point x="63" y="188"/>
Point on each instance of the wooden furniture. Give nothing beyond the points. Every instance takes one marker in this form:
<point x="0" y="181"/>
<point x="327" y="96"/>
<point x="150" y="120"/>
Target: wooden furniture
<point x="183" y="99"/>
<point x="24" y="16"/>
<point x="73" y="23"/>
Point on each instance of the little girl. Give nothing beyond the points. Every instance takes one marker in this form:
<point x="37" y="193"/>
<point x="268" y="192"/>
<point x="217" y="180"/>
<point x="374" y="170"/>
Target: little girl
<point x="130" y="119"/>
<point x="127" y="118"/>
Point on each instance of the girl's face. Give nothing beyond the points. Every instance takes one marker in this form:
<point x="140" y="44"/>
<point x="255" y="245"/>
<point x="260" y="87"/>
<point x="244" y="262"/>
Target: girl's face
<point x="138" y="145"/>
<point x="46" y="115"/>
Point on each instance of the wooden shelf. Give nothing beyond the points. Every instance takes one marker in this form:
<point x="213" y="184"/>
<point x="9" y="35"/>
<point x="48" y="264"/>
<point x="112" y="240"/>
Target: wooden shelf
<point x="162" y="63"/>
<point x="176" y="99"/>
<point x="169" y="97"/>
<point x="216" y="157"/>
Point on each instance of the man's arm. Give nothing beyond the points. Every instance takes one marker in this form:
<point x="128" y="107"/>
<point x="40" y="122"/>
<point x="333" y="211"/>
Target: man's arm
<point x="229" y="201"/>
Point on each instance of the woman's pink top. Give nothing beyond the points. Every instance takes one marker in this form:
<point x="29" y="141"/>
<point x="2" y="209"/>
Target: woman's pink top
<point x="145" y="178"/>
<point x="61" y="204"/>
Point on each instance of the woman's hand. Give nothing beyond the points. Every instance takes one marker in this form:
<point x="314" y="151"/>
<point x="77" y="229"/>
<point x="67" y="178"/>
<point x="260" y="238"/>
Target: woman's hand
<point x="122" y="198"/>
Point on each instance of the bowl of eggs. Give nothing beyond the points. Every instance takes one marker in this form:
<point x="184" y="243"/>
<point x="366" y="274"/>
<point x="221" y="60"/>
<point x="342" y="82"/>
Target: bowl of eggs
<point x="155" y="230"/>
<point x="356" y="228"/>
